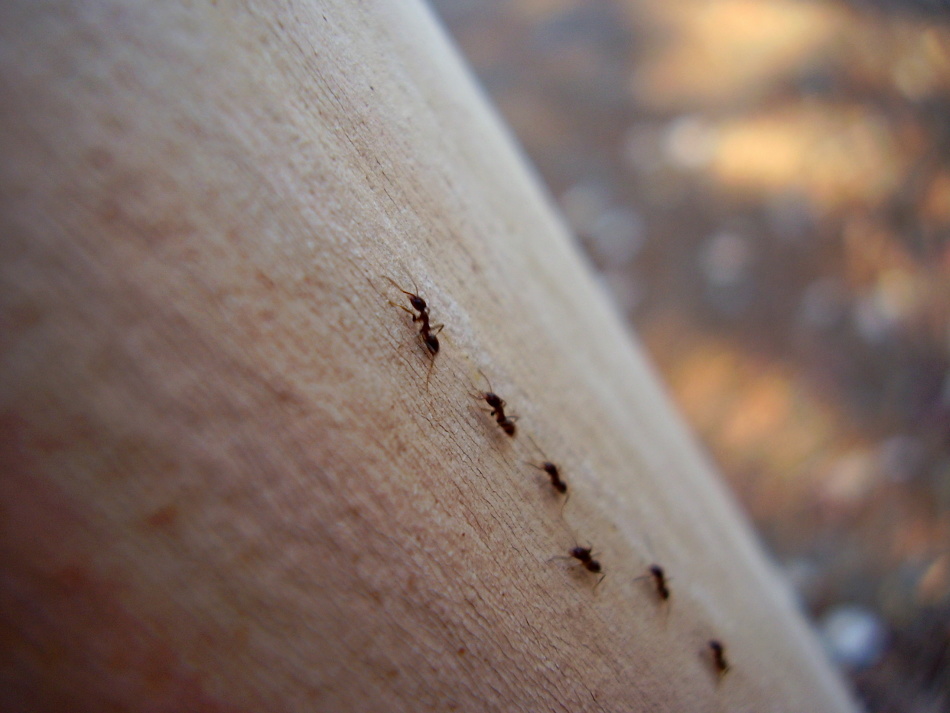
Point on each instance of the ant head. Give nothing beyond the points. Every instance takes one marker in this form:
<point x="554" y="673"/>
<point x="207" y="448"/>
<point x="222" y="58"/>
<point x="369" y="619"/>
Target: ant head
<point x="493" y="400"/>
<point x="417" y="302"/>
<point x="656" y="570"/>
<point x="431" y="341"/>
<point x="581" y="553"/>
<point x="551" y="469"/>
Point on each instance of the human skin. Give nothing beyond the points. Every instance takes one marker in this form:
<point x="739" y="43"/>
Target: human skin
<point x="233" y="479"/>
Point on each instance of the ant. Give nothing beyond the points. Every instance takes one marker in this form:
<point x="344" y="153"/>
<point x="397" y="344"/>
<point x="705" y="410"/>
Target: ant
<point x="660" y="581"/>
<point x="427" y="331"/>
<point x="554" y="473"/>
<point x="719" y="657"/>
<point x="552" y="470"/>
<point x="584" y="555"/>
<point x="498" y="407"/>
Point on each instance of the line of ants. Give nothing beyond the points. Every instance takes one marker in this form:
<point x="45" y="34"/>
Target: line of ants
<point x="583" y="555"/>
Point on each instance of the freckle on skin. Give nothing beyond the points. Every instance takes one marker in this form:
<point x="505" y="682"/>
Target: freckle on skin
<point x="162" y="518"/>
<point x="265" y="280"/>
<point x="22" y="317"/>
<point x="99" y="158"/>
<point x="71" y="579"/>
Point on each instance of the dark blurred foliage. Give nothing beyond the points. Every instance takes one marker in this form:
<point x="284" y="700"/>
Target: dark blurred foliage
<point x="764" y="186"/>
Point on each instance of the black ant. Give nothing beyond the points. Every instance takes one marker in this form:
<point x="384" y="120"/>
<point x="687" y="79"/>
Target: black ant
<point x="719" y="657"/>
<point x="427" y="331"/>
<point x="552" y="470"/>
<point x="585" y="556"/>
<point x="498" y="407"/>
<point x="660" y="581"/>
<point x="555" y="476"/>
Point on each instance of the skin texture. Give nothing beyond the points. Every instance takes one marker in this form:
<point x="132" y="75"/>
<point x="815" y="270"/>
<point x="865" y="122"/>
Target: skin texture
<point x="225" y="484"/>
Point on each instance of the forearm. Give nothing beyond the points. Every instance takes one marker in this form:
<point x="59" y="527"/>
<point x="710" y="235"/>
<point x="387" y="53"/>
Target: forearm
<point x="231" y="480"/>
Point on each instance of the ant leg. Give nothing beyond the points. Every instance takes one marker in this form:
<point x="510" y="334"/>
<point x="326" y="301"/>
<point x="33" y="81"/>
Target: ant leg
<point x="564" y="505"/>
<point x="429" y="372"/>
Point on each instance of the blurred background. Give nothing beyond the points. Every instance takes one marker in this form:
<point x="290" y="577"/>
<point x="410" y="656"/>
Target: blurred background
<point x="764" y="187"/>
